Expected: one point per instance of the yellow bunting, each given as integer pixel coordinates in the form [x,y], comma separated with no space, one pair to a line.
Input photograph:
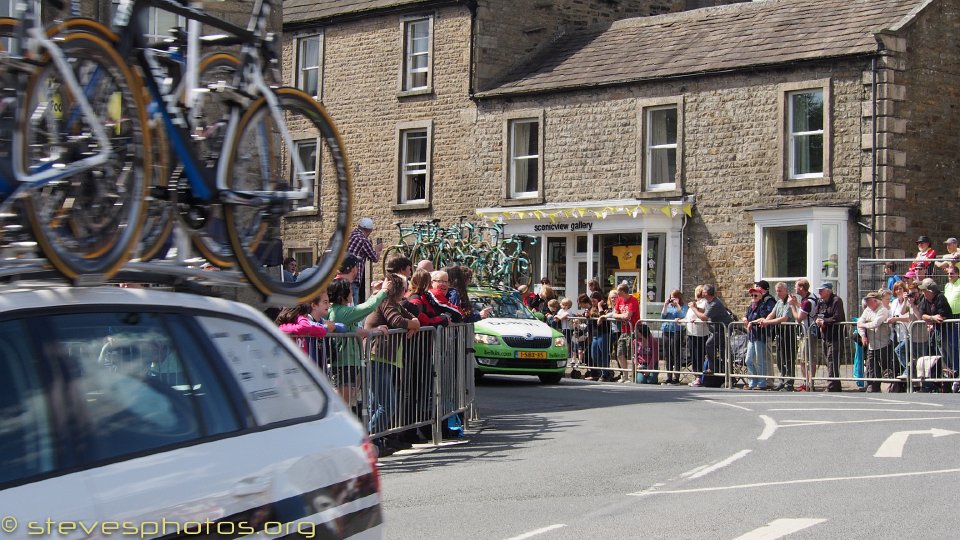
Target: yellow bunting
[553,218]
[599,216]
[688,210]
[665,210]
[506,215]
[582,211]
[521,215]
[644,210]
[566,213]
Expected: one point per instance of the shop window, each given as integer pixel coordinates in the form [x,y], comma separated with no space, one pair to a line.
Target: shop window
[802,243]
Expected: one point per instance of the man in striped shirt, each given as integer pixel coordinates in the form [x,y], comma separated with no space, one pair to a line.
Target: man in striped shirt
[360,246]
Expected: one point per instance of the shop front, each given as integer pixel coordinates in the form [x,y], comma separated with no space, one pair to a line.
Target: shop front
[611,241]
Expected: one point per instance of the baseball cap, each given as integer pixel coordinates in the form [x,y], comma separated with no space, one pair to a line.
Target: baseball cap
[756,290]
[928,284]
[365,223]
[348,263]
[924,238]
[910,274]
[762,284]
[873,295]
[826,285]
[951,240]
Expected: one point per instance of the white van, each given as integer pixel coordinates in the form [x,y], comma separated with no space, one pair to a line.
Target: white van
[132,412]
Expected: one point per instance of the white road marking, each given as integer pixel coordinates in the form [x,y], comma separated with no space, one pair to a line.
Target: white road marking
[898,402]
[727,404]
[863,410]
[801,481]
[802,423]
[538,531]
[789,402]
[769,427]
[694,471]
[720,465]
[893,446]
[779,528]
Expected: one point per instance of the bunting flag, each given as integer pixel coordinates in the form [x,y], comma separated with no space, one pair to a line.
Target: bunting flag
[635,212]
[506,215]
[644,210]
[665,210]
[521,215]
[582,211]
[598,215]
[688,210]
[538,214]
[553,217]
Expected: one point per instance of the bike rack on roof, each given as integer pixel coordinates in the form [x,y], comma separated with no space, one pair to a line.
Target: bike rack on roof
[177,277]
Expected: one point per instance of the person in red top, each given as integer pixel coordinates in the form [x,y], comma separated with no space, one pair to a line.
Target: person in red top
[420,303]
[627,310]
[925,253]
[441,284]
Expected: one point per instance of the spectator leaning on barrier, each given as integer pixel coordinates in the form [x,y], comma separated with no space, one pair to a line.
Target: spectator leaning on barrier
[951,337]
[627,311]
[952,256]
[360,246]
[717,314]
[934,309]
[674,310]
[697,331]
[803,307]
[829,313]
[785,335]
[757,311]
[875,335]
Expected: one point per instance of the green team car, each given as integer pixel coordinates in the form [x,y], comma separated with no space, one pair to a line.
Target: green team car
[512,341]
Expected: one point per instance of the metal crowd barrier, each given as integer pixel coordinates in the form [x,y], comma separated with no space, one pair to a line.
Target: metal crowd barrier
[925,358]
[395,382]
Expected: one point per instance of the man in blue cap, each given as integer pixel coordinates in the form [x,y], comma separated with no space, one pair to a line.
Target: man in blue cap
[829,313]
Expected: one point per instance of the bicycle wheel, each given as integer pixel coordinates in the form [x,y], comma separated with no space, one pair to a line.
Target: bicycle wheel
[257,163]
[520,273]
[87,223]
[210,126]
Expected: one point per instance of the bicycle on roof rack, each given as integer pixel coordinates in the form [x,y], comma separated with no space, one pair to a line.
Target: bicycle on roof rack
[74,154]
[237,175]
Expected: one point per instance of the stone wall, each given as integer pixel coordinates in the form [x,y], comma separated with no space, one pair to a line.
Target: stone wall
[362,63]
[731,155]
[928,88]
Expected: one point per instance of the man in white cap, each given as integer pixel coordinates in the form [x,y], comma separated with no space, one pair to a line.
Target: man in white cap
[952,256]
[361,247]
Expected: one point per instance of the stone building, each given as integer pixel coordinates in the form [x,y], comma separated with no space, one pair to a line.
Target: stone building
[776,139]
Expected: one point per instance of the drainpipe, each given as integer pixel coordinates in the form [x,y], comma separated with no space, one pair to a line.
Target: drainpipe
[873,162]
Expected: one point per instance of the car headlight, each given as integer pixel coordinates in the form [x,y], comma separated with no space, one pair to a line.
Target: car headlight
[486,361]
[561,363]
[559,341]
[485,339]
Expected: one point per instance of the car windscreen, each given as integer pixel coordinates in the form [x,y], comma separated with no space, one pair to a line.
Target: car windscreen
[506,306]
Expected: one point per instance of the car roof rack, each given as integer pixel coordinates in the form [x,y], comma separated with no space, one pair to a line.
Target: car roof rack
[178,277]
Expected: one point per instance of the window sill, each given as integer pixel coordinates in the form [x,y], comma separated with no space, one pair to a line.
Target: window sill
[524,201]
[660,194]
[804,182]
[419,205]
[306,212]
[417,92]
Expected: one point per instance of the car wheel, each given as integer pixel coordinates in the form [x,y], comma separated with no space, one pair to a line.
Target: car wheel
[553,378]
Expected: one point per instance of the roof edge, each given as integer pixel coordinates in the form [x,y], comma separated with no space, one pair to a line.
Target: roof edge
[911,17]
[495,93]
[376,11]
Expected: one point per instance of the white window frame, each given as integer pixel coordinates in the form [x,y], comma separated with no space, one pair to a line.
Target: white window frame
[787,136]
[794,135]
[297,144]
[305,64]
[404,129]
[152,32]
[408,73]
[648,170]
[513,159]
[816,220]
[411,169]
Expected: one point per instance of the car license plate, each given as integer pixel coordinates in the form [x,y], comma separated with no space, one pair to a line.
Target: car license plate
[531,354]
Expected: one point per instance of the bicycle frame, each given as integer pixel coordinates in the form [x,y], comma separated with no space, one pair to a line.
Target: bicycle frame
[32,33]
[209,183]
